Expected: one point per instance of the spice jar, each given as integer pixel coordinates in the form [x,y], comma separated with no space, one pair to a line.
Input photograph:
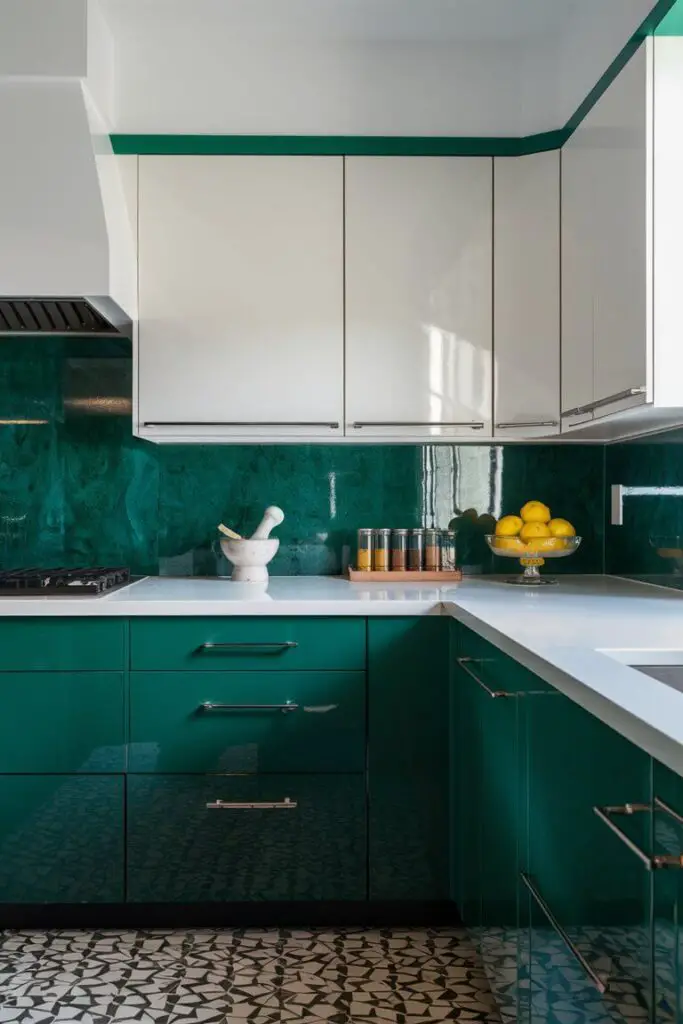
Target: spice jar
[448,551]
[364,560]
[432,550]
[416,550]
[382,546]
[399,550]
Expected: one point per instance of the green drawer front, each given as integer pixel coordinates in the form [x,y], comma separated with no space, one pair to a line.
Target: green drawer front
[61,645]
[254,643]
[181,851]
[62,722]
[61,839]
[172,731]
[493,668]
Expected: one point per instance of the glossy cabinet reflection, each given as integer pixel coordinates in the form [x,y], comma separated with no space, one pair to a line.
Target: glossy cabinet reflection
[61,839]
[418,296]
[190,841]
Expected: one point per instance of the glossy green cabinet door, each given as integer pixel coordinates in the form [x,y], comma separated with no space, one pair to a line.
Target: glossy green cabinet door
[586,889]
[62,722]
[197,839]
[408,695]
[247,722]
[668,896]
[61,839]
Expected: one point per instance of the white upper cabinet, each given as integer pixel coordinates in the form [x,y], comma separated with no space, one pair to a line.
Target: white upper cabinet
[418,297]
[526,307]
[607,251]
[241,297]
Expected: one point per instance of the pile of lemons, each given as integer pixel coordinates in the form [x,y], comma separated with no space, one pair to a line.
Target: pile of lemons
[533,530]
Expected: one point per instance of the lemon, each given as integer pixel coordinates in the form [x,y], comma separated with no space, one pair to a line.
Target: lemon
[510,544]
[508,526]
[561,528]
[530,531]
[548,544]
[535,512]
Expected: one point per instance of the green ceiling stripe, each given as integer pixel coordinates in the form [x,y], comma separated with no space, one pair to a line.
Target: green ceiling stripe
[672,23]
[391,145]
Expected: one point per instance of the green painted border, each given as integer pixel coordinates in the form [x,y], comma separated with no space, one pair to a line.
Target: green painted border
[389,145]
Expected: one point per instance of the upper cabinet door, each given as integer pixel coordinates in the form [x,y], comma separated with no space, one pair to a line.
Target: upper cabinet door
[607,339]
[526,248]
[241,297]
[418,296]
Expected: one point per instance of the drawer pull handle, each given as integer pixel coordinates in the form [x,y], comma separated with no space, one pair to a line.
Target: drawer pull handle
[557,927]
[464,664]
[600,402]
[266,805]
[474,424]
[657,861]
[241,648]
[209,705]
[531,423]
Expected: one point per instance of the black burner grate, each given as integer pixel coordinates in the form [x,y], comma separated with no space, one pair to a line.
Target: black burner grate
[74,582]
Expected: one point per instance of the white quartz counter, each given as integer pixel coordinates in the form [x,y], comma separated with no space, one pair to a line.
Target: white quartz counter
[560,633]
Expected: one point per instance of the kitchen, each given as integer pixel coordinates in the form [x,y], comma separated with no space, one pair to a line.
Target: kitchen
[283,270]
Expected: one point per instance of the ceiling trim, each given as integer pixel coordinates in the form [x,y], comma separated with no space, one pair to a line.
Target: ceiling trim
[391,145]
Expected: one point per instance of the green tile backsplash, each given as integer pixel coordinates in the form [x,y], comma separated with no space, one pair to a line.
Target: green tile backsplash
[79,489]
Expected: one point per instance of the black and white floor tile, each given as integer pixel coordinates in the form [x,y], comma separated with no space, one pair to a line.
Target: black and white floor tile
[318,976]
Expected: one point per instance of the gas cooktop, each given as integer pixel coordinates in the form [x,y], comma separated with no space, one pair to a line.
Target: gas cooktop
[62,582]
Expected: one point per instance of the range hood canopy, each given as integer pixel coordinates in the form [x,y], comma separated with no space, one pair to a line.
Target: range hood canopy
[59,316]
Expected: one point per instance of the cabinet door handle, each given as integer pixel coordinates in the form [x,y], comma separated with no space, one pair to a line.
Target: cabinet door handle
[241,423]
[284,708]
[531,423]
[600,402]
[475,425]
[265,805]
[557,927]
[650,863]
[258,648]
[464,664]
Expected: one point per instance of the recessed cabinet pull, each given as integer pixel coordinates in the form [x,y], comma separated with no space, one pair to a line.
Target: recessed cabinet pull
[359,425]
[287,645]
[265,805]
[464,664]
[651,863]
[600,402]
[557,927]
[531,423]
[284,708]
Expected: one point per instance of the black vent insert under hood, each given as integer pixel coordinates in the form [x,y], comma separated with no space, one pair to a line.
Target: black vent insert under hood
[85,317]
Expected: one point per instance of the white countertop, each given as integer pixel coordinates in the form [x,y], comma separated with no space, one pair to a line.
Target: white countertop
[557,632]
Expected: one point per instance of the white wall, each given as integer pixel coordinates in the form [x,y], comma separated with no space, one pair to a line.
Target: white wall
[43,37]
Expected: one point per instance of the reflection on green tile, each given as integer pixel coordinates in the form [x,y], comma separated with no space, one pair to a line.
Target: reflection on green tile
[81,490]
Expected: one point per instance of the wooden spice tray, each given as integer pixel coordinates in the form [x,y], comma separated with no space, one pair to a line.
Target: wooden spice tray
[406,575]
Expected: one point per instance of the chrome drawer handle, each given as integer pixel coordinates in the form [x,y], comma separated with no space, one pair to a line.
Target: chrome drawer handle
[557,927]
[266,805]
[209,705]
[474,424]
[286,645]
[600,402]
[464,664]
[650,863]
[242,423]
[531,423]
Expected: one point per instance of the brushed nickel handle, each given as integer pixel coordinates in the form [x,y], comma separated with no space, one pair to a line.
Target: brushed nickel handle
[475,425]
[284,708]
[264,805]
[600,402]
[241,423]
[531,423]
[286,645]
[464,664]
[557,927]
[650,863]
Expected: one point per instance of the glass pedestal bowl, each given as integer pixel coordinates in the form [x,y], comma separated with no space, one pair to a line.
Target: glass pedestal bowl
[532,555]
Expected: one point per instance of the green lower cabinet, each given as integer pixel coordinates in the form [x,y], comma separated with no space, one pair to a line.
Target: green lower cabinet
[195,839]
[239,722]
[585,935]
[668,896]
[408,758]
[61,839]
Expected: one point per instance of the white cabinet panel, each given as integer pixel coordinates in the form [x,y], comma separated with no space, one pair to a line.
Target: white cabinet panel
[526,305]
[418,296]
[241,296]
